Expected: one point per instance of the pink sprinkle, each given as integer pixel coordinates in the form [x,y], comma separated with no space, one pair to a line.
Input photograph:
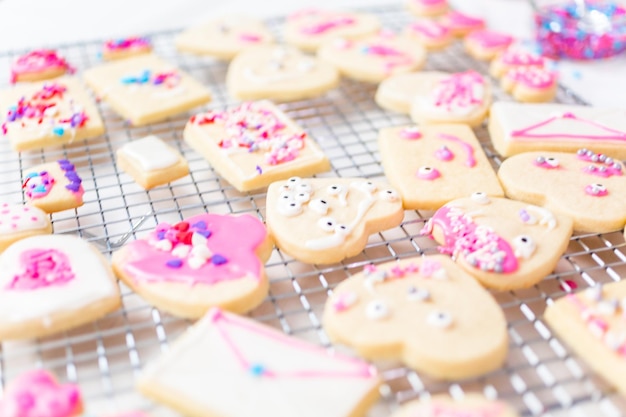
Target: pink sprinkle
[250,37]
[411,133]
[34,219]
[571,284]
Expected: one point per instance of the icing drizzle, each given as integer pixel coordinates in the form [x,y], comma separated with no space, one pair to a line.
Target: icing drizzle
[459,93]
[470,161]
[38,61]
[526,133]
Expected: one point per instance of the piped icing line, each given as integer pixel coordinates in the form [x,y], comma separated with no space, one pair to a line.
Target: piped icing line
[330,24]
[38,61]
[463,90]
[390,56]
[41,268]
[133,43]
[524,133]
[490,39]
[470,160]
[532,77]
[430,29]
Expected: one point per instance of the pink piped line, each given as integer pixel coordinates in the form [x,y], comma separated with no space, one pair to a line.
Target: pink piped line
[523,133]
[470,161]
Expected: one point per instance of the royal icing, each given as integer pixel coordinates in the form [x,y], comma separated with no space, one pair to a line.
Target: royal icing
[529,132]
[459,94]
[412,132]
[460,21]
[600,164]
[151,153]
[532,77]
[38,61]
[470,160]
[596,190]
[317,22]
[428,173]
[18,218]
[430,29]
[38,184]
[134,44]
[519,57]
[490,39]
[444,154]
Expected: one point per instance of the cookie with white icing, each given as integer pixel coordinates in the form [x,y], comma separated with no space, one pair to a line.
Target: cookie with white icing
[431,34]
[53,186]
[224,37]
[434,164]
[470,405]
[530,84]
[428,8]
[230,366]
[151,162]
[485,44]
[53,283]
[325,220]
[397,92]
[586,186]
[208,260]
[514,57]
[420,311]
[462,97]
[254,144]
[308,29]
[373,58]
[45,114]
[279,73]
[504,244]
[593,325]
[145,89]
[18,222]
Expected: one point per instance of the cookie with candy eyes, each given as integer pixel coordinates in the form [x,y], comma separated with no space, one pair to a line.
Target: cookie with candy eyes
[530,84]
[325,220]
[434,164]
[424,311]
[19,222]
[470,405]
[397,92]
[53,186]
[504,244]
[586,186]
[279,73]
[208,260]
[308,29]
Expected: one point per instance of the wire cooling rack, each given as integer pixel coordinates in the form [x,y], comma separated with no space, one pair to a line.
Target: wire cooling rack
[540,376]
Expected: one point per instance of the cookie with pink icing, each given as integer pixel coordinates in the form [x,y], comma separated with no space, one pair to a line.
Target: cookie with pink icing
[53,186]
[125,47]
[462,24]
[419,311]
[470,405]
[586,186]
[308,29]
[204,261]
[428,8]
[19,222]
[530,84]
[514,57]
[37,393]
[431,34]
[486,44]
[504,244]
[38,65]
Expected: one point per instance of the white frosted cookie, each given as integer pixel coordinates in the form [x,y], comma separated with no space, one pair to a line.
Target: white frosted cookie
[205,261]
[279,73]
[52,283]
[18,222]
[420,311]
[38,65]
[462,97]
[588,187]
[471,405]
[514,57]
[53,186]
[530,84]
[397,92]
[486,44]
[593,324]
[504,244]
[373,58]
[462,24]
[145,89]
[230,366]
[325,220]
[151,162]
[254,144]
[47,114]
[432,165]
[515,128]
[125,47]
[224,37]
[308,29]
[431,34]
[428,8]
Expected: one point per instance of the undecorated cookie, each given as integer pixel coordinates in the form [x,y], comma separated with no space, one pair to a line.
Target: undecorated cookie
[205,261]
[514,57]
[52,113]
[38,65]
[309,29]
[462,24]
[230,366]
[325,220]
[530,84]
[592,324]
[18,222]
[432,165]
[125,47]
[53,186]
[471,405]
[52,283]
[486,44]
[431,34]
[151,162]
[373,58]
[145,89]
[279,73]
[588,187]
[504,244]
[428,8]
[254,144]
[424,311]
[462,97]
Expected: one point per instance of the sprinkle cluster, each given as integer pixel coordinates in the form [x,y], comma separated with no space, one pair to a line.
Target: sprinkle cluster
[42,268]
[429,269]
[462,89]
[532,76]
[607,168]
[75,182]
[169,79]
[37,61]
[135,43]
[38,184]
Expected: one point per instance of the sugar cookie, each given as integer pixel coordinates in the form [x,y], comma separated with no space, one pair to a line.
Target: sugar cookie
[325,220]
[514,57]
[428,8]
[471,405]
[254,144]
[516,128]
[462,24]
[54,186]
[48,114]
[588,187]
[486,44]
[308,29]
[397,92]
[151,162]
[432,165]
[375,57]
[125,47]
[205,261]
[38,65]
[18,222]
[279,73]
[505,244]
[431,34]
[530,84]
[52,283]
[224,37]
[419,310]
[145,89]
[269,373]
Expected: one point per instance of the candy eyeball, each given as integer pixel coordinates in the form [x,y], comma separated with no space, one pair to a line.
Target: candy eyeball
[303,187]
[319,205]
[286,196]
[417,294]
[342,229]
[302,197]
[524,246]
[290,208]
[366,186]
[327,224]
[377,310]
[439,319]
[480,197]
[389,195]
[293,182]
[552,161]
[335,189]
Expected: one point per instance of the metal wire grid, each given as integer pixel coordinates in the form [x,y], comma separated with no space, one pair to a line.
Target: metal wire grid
[540,376]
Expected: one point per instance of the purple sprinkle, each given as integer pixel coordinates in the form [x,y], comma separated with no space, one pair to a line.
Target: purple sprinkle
[63,162]
[73,187]
[174,263]
[259,170]
[218,259]
[200,225]
[161,235]
[523,214]
[73,177]
[205,233]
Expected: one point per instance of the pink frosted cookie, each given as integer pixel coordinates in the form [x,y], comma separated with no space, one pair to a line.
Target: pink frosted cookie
[471,405]
[462,24]
[205,261]
[19,222]
[53,186]
[428,8]
[125,47]
[486,44]
[38,394]
[530,84]
[514,57]
[431,34]
[308,29]
[224,358]
[41,64]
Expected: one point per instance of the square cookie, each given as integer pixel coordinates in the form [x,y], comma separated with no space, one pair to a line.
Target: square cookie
[49,113]
[254,144]
[53,186]
[145,89]
[151,162]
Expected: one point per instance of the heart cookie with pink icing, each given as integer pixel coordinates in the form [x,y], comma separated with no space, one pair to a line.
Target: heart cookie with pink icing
[40,64]
[19,222]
